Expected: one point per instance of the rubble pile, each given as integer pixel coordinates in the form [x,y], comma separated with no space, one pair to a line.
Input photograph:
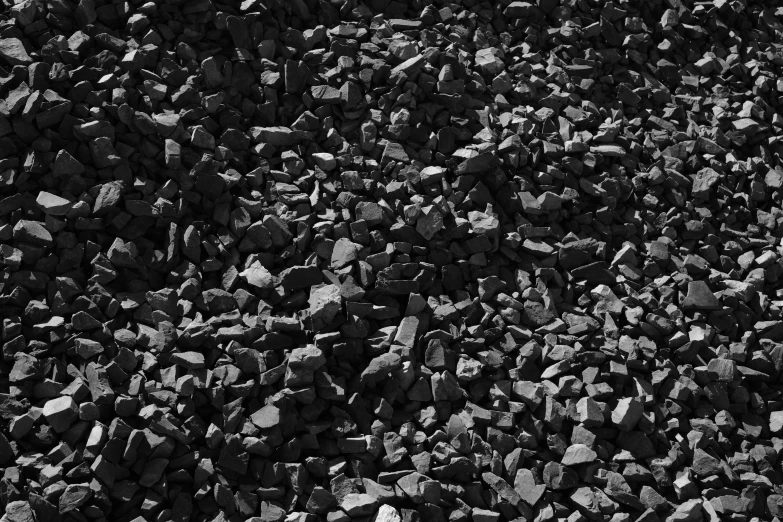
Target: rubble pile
[391,261]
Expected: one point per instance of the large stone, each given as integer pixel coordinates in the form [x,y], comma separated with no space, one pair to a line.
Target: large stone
[394,152]
[704,464]
[578,454]
[502,488]
[704,182]
[52,204]
[188,360]
[345,252]
[688,511]
[18,511]
[325,161]
[60,413]
[277,136]
[381,366]
[627,413]
[776,421]
[536,314]
[33,232]
[557,476]
[266,417]
[430,222]
[320,501]
[325,303]
[387,513]
[257,275]
[530,490]
[13,52]
[700,297]
[108,196]
[489,61]
[308,358]
[74,496]
[359,504]
[300,277]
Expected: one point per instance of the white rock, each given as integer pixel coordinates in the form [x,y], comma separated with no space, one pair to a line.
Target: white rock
[387,513]
[776,421]
[258,276]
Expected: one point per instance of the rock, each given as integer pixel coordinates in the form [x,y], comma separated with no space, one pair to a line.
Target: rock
[13,52]
[700,297]
[33,232]
[344,252]
[578,454]
[300,277]
[325,161]
[409,66]
[489,61]
[723,370]
[527,487]
[535,314]
[188,360]
[394,152]
[258,276]
[577,253]
[153,472]
[653,500]
[728,505]
[358,504]
[776,421]
[586,502]
[558,477]
[52,204]
[60,413]
[748,126]
[518,9]
[381,366]
[775,505]
[502,488]
[321,501]
[589,413]
[25,367]
[19,511]
[325,303]
[430,222]
[595,273]
[627,413]
[688,511]
[704,464]
[73,497]
[108,196]
[277,136]
[705,180]
[309,358]
[270,513]
[387,513]
[476,164]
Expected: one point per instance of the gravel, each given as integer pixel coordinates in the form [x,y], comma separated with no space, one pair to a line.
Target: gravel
[387,261]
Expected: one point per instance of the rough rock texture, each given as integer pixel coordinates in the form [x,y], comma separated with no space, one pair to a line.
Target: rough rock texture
[391,261]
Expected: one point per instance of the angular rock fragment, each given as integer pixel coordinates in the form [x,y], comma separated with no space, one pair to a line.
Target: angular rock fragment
[13,52]
[60,413]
